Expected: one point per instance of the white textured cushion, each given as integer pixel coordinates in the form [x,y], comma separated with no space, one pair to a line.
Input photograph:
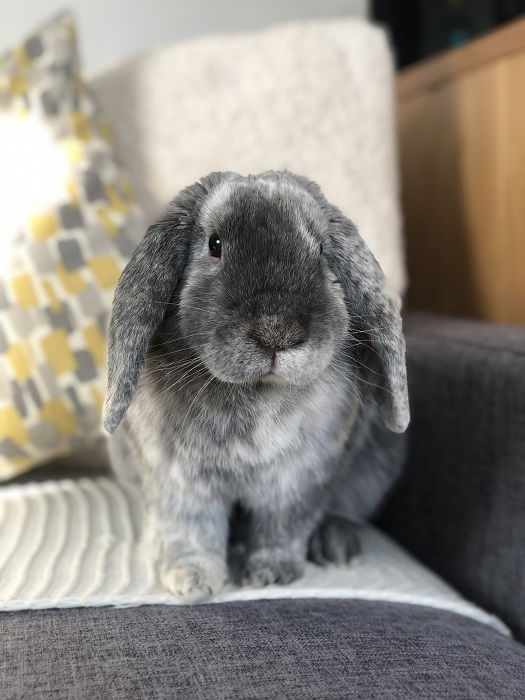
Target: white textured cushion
[82,543]
[315,98]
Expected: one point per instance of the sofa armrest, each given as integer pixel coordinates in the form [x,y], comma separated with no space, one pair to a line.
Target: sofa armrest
[460,506]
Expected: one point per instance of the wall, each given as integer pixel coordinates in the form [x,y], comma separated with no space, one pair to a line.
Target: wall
[118,28]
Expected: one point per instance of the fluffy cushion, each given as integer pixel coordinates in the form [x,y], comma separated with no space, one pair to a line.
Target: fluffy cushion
[314,98]
[67,226]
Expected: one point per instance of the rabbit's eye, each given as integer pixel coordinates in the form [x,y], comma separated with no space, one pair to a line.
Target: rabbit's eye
[215,246]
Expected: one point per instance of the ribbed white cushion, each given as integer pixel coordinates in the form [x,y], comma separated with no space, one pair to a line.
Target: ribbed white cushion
[80,542]
[315,98]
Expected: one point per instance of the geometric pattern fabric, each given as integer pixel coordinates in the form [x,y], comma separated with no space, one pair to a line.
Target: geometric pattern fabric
[68,226]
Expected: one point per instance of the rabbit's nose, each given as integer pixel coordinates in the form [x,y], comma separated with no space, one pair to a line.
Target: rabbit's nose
[276,333]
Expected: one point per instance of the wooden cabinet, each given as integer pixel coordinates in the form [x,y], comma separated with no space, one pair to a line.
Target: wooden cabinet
[461,120]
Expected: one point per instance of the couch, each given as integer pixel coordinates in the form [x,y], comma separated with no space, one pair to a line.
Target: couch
[460,508]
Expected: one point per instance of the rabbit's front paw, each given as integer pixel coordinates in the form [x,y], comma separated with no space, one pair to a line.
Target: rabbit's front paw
[195,578]
[267,566]
[334,541]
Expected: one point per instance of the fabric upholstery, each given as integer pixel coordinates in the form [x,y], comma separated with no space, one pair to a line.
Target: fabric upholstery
[267,649]
[460,507]
[67,226]
[315,98]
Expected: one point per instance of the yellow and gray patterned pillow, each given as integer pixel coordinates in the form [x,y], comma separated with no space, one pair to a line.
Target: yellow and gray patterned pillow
[68,224]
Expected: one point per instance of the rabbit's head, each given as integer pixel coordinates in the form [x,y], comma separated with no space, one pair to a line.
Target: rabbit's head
[266,282]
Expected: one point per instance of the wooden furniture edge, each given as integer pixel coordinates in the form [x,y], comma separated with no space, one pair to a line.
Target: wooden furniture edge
[433,71]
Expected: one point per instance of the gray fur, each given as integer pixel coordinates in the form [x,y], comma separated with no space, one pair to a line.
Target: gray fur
[195,410]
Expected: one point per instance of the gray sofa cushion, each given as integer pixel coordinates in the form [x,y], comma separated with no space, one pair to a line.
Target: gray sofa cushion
[464,487]
[266,649]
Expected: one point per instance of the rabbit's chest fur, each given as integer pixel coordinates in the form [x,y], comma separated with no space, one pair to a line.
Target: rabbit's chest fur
[247,444]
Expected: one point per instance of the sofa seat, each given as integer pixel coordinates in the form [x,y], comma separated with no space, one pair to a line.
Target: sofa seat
[258,649]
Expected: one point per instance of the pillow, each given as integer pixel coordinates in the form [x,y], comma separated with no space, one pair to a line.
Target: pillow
[68,224]
[314,97]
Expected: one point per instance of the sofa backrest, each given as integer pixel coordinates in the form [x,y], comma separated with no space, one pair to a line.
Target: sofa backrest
[315,98]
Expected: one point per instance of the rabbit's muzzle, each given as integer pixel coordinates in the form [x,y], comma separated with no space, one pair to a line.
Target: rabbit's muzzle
[276,333]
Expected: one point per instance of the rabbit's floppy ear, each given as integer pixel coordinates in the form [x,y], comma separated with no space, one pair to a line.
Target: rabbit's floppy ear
[143,290]
[376,336]
[139,304]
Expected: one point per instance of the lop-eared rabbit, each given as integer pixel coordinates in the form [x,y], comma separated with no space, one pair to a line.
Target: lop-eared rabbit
[256,368]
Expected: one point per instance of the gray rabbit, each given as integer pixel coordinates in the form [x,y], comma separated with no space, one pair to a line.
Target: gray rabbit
[256,367]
